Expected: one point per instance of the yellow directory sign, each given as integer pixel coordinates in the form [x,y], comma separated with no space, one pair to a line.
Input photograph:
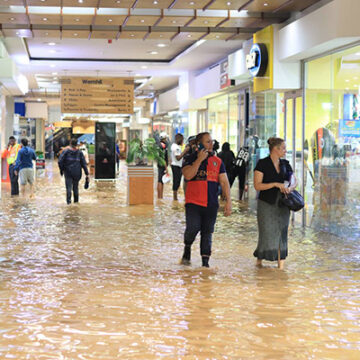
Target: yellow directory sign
[84,95]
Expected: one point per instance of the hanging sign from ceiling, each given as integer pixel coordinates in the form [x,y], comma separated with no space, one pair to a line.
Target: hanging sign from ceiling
[82,95]
[257,60]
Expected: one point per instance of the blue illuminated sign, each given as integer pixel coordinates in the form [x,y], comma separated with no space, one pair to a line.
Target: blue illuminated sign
[257,60]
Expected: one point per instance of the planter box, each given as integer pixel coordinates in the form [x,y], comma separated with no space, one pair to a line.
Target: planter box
[140,185]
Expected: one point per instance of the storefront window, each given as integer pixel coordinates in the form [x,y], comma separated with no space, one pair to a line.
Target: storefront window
[332,142]
[218,118]
[234,124]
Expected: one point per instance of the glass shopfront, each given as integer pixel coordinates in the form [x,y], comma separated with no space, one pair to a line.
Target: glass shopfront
[227,118]
[321,126]
[332,142]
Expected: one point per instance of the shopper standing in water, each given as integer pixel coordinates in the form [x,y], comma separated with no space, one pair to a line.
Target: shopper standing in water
[176,162]
[24,167]
[273,176]
[203,171]
[71,163]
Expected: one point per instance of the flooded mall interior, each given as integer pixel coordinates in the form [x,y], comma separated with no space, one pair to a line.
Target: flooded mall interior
[180,179]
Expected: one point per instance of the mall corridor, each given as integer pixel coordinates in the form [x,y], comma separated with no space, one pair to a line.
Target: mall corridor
[102,280]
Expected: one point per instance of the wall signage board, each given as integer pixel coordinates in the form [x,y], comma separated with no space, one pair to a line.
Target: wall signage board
[97,95]
[257,60]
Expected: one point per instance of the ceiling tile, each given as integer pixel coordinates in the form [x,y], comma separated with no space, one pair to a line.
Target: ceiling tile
[153,4]
[17,33]
[189,36]
[84,3]
[132,34]
[48,34]
[240,22]
[109,20]
[43,2]
[207,21]
[51,19]
[75,34]
[77,19]
[217,36]
[147,20]
[10,18]
[109,35]
[190,4]
[124,4]
[155,35]
[174,20]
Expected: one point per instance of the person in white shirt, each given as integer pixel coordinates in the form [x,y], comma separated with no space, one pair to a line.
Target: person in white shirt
[176,162]
[84,150]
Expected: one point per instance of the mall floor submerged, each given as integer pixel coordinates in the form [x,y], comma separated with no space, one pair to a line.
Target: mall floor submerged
[102,280]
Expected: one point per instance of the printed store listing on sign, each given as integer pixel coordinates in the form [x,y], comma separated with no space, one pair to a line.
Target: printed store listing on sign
[97,95]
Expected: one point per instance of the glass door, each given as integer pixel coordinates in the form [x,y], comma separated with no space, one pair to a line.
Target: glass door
[294,139]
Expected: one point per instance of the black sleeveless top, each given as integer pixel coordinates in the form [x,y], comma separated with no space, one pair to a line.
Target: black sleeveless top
[267,167]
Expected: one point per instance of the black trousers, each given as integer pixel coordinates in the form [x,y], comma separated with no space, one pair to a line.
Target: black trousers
[199,218]
[72,185]
[14,179]
[177,174]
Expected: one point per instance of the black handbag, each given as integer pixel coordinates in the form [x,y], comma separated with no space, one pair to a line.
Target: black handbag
[294,201]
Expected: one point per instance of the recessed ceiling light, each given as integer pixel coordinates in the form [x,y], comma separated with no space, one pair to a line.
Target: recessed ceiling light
[54,82]
[109,20]
[266,4]
[43,0]
[45,19]
[144,67]
[174,21]
[155,2]
[206,22]
[347,80]
[161,36]
[189,36]
[217,36]
[46,34]
[142,20]
[80,1]
[12,19]
[191,3]
[77,19]
[161,45]
[137,74]
[52,51]
[52,65]
[132,35]
[54,73]
[38,99]
[358,54]
[228,3]
[153,52]
[76,34]
[51,44]
[17,33]
[118,1]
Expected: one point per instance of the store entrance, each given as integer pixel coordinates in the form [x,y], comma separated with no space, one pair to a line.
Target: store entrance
[293,131]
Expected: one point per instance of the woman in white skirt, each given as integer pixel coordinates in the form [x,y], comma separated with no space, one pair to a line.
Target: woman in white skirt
[273,176]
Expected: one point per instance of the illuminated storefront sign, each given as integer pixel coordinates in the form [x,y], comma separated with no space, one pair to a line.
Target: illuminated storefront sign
[257,60]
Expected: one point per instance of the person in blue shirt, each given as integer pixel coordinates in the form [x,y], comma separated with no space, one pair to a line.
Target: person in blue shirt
[25,168]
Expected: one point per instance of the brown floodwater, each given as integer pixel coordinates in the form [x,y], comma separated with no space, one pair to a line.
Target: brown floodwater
[102,280]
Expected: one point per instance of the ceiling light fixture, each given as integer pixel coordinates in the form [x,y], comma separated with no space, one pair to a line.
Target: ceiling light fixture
[77,19]
[174,21]
[142,20]
[17,33]
[228,3]
[12,19]
[347,80]
[46,34]
[189,36]
[75,34]
[132,35]
[206,22]
[45,19]
[161,45]
[51,44]
[153,52]
[144,67]
[54,73]
[38,99]
[109,20]
[52,51]
[54,82]
[118,1]
[266,4]
[217,36]
[155,2]
[161,36]
[80,1]
[52,65]
[191,3]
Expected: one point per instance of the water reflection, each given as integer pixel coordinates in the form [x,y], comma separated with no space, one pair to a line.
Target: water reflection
[101,280]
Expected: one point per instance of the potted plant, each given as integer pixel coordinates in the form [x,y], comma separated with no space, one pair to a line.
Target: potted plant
[140,173]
